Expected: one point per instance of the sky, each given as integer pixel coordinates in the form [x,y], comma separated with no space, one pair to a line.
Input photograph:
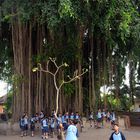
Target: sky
[126,81]
[3,88]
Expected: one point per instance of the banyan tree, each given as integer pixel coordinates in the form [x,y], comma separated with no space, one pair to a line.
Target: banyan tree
[89,34]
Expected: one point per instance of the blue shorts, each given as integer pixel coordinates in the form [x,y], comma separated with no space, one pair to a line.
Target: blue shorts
[45,129]
[65,125]
[99,120]
[26,127]
[22,128]
[32,127]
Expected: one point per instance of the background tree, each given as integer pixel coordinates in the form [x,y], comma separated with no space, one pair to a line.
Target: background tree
[73,31]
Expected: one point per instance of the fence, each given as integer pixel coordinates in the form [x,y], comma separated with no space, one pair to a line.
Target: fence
[132,118]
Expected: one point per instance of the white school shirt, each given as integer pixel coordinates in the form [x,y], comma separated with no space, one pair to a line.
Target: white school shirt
[91,116]
[25,121]
[99,115]
[71,133]
[44,123]
[63,119]
[59,120]
[113,117]
[77,117]
[104,114]
[72,117]
[41,115]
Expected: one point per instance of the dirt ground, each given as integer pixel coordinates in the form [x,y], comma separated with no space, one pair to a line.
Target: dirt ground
[88,134]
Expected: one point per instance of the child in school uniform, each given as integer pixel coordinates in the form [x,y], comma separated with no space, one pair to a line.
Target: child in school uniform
[52,126]
[32,125]
[91,119]
[65,120]
[72,131]
[99,118]
[22,125]
[117,135]
[45,128]
[59,122]
[26,123]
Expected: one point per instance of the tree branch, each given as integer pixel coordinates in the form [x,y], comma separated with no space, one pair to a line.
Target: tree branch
[58,68]
[53,60]
[75,77]
[72,79]
[46,71]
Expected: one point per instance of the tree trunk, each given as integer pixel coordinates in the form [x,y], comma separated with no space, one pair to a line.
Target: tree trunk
[80,89]
[92,96]
[131,81]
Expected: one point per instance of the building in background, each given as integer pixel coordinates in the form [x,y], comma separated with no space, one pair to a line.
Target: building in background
[137,105]
[2,101]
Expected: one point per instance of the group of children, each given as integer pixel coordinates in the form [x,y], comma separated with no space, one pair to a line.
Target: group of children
[48,125]
[98,119]
[102,117]
[67,122]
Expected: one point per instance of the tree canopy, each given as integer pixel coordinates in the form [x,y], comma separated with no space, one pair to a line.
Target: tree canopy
[102,35]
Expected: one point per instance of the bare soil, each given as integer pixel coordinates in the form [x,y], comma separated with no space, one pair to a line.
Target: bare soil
[88,133]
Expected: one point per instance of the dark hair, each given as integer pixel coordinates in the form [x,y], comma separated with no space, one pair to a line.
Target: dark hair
[23,116]
[116,123]
[73,121]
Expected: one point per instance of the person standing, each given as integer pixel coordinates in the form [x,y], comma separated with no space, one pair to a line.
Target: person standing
[37,120]
[65,121]
[41,115]
[103,117]
[32,125]
[59,122]
[22,125]
[113,118]
[91,119]
[99,118]
[117,135]
[72,131]
[72,116]
[26,123]
[52,126]
[45,128]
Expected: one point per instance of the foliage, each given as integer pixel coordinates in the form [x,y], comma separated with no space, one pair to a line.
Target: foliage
[69,89]
[6,56]
[8,104]
[122,103]
[119,104]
